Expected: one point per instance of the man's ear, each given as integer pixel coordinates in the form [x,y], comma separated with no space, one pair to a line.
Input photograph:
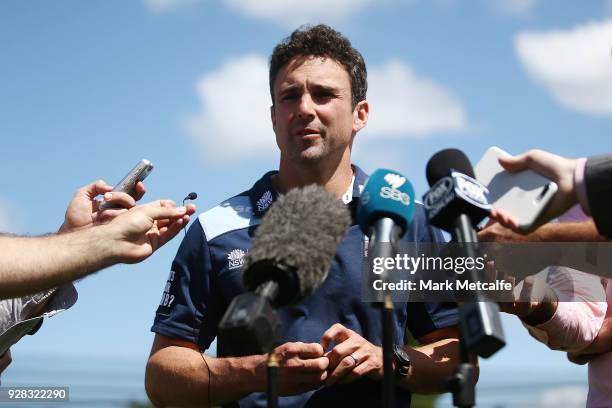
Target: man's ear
[360,115]
[272,116]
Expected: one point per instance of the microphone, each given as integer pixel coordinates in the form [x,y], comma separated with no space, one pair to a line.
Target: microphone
[290,257]
[457,203]
[190,196]
[385,210]
[454,190]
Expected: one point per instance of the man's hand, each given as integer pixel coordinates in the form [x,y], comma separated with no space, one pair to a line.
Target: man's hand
[5,360]
[302,367]
[83,210]
[601,344]
[556,168]
[352,357]
[140,231]
[497,232]
[535,304]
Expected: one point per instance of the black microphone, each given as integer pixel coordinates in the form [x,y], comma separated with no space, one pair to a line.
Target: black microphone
[456,199]
[290,257]
[190,196]
[457,203]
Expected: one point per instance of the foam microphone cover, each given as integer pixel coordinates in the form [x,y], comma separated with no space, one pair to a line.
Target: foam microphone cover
[442,163]
[296,242]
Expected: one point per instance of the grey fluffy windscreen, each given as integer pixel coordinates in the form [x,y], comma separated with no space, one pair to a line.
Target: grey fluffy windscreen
[301,230]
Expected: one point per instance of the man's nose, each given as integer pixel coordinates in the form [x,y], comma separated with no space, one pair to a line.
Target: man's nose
[306,107]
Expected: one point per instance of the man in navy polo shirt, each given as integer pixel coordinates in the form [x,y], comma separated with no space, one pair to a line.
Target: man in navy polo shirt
[330,351]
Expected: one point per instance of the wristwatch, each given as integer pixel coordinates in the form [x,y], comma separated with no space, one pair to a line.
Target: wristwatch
[401,359]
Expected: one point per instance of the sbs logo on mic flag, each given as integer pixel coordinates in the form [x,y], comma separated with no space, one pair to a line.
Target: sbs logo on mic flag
[395,180]
[387,193]
[392,191]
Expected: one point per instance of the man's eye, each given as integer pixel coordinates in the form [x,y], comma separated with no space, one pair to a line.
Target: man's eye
[324,95]
[289,97]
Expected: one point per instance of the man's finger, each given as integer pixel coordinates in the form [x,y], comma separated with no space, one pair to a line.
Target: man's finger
[336,333]
[168,232]
[302,350]
[119,199]
[109,215]
[580,359]
[527,290]
[139,190]
[361,370]
[97,188]
[533,159]
[342,350]
[318,364]
[346,365]
[504,219]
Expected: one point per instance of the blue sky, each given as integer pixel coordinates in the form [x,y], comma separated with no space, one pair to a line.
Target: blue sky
[89,88]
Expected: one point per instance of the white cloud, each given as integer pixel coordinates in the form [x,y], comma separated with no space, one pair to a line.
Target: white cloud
[292,13]
[568,397]
[574,65]
[516,7]
[403,104]
[234,117]
[162,6]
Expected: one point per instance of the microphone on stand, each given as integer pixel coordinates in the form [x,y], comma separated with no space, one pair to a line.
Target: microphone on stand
[290,257]
[457,203]
[385,210]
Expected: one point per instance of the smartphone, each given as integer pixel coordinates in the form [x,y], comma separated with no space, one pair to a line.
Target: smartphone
[523,195]
[127,184]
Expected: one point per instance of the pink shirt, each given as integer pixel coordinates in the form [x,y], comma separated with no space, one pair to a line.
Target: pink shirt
[578,318]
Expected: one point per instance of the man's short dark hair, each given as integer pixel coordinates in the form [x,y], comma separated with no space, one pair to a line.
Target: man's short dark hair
[321,41]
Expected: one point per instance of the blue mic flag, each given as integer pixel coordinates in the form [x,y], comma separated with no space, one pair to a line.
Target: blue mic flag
[387,194]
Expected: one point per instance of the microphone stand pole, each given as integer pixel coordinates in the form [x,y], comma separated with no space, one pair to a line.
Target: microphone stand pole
[387,349]
[272,379]
[463,383]
[383,248]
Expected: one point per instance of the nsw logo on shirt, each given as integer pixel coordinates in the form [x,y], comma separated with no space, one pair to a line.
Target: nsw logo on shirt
[264,202]
[235,259]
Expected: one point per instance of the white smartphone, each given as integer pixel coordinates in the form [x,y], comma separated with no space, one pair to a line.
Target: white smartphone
[523,195]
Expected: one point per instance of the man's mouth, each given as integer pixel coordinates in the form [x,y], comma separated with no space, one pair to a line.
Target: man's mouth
[306,132]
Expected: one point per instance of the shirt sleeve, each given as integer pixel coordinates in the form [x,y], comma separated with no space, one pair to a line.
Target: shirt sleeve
[580,185]
[423,318]
[580,311]
[186,296]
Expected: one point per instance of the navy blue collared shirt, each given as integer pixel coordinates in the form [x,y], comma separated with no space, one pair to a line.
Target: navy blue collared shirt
[205,277]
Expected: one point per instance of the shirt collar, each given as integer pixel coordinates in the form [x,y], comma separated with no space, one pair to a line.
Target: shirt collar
[263,193]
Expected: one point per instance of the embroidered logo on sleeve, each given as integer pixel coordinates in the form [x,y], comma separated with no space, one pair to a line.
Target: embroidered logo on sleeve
[264,202]
[235,259]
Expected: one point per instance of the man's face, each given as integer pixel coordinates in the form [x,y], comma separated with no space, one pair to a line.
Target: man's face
[313,117]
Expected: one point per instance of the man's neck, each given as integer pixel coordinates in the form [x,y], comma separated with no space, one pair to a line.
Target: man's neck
[334,180]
